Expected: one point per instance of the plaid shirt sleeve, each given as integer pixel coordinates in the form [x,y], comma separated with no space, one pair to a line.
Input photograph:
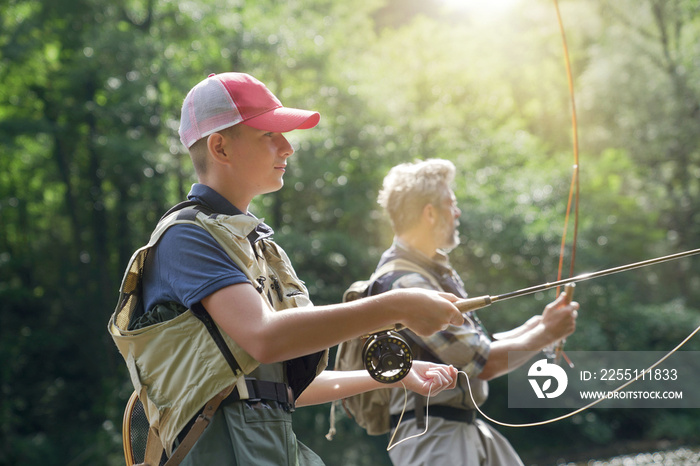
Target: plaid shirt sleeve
[466,347]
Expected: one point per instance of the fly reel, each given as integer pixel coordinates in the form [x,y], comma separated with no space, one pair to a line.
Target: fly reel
[387,357]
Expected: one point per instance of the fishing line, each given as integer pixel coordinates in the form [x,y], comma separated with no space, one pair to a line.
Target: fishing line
[405,401]
[590,405]
[529,424]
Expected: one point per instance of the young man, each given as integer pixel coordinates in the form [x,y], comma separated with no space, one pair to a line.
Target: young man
[424,216]
[198,314]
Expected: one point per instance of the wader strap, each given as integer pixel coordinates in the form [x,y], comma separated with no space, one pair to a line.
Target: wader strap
[420,352]
[154,448]
[198,427]
[419,410]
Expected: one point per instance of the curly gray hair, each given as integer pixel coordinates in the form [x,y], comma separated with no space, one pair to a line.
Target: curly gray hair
[409,187]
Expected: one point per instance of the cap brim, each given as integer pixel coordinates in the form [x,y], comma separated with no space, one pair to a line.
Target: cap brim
[283,119]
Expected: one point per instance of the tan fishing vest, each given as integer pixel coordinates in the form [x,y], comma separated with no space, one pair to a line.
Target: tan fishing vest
[175,366]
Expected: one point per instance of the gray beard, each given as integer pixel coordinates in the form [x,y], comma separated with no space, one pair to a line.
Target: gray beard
[452,242]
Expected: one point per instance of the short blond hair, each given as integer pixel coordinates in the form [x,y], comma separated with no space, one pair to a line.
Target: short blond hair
[199,153]
[409,187]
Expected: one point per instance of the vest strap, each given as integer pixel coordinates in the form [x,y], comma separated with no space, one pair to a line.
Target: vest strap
[201,313]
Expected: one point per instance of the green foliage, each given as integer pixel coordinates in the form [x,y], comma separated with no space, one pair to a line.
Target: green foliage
[89,107]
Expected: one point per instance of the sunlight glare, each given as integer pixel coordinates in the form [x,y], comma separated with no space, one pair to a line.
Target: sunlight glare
[493,7]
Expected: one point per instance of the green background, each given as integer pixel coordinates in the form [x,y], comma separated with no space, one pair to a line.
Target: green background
[89,159]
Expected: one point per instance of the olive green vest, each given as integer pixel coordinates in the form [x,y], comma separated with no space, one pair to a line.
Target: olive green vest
[175,365]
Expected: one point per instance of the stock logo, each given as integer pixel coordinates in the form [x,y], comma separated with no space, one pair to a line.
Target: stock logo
[546,372]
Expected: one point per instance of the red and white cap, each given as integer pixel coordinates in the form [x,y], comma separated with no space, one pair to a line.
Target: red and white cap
[224,100]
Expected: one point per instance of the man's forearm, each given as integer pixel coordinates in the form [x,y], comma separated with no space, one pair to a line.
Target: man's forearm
[508,354]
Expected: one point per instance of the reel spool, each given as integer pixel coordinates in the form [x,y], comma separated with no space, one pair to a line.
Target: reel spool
[387,357]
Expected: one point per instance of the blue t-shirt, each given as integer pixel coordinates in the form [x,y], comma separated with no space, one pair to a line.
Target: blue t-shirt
[187,264]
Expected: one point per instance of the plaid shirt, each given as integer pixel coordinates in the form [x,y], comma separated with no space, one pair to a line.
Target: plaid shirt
[466,347]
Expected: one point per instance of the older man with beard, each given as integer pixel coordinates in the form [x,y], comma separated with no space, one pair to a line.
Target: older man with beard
[424,215]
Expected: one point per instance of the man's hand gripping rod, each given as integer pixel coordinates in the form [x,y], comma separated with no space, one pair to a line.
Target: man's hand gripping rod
[557,350]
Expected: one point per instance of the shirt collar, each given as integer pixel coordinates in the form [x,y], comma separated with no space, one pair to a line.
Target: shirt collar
[439,259]
[208,197]
[216,202]
[439,265]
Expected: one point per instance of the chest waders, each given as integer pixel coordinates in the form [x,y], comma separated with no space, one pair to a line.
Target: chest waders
[179,365]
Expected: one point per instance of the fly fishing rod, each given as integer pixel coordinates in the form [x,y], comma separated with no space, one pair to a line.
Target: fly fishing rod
[471,304]
[388,358]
